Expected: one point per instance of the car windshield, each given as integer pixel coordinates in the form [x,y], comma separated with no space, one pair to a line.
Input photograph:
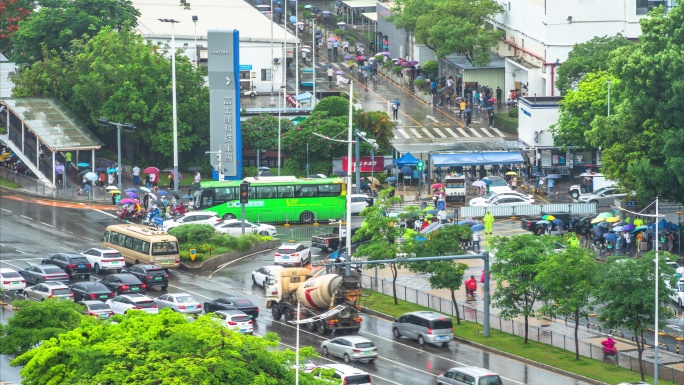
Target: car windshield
[129,279]
[64,291]
[52,269]
[145,303]
[98,306]
[79,260]
[286,251]
[357,379]
[497,182]
[11,274]
[243,302]
[185,299]
[441,324]
[112,255]
[240,318]
[490,380]
[365,345]
[601,190]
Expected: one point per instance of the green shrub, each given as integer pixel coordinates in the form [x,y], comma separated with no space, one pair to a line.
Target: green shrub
[379,58]
[306,14]
[430,67]
[249,171]
[193,233]
[224,240]
[397,69]
[419,83]
[506,123]
[513,113]
[352,40]
[339,32]
[333,105]
[185,256]
[387,65]
[244,243]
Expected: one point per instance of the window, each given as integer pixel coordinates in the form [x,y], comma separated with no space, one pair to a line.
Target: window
[306,191]
[330,190]
[105,237]
[265,74]
[266,192]
[128,243]
[285,191]
[224,194]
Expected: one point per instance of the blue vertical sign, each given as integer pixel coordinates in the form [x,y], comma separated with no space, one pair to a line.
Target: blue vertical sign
[225,137]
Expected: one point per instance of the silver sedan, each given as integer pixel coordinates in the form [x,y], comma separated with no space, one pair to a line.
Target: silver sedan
[179,302]
[350,348]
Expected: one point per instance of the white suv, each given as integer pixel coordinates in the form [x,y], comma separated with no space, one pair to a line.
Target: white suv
[105,259]
[123,303]
[294,254]
[10,280]
[349,374]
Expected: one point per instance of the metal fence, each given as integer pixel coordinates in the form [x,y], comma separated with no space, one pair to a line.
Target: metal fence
[527,210]
[627,360]
[301,233]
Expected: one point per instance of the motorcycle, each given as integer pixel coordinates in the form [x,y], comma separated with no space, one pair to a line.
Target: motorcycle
[128,216]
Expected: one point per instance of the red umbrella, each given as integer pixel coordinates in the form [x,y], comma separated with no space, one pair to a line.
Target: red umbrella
[492,100]
[151,170]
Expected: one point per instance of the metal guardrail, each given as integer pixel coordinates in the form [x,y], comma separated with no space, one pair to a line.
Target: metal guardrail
[527,210]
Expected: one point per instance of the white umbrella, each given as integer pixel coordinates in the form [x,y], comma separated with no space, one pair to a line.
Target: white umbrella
[152,196]
[145,189]
[306,50]
[108,188]
[341,23]
[91,176]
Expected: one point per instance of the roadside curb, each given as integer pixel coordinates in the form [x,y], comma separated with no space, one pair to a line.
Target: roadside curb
[501,353]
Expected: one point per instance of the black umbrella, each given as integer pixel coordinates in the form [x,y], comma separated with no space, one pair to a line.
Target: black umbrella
[389,167]
[195,168]
[266,173]
[340,173]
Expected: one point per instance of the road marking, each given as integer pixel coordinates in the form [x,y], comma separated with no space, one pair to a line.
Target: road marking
[487,132]
[463,132]
[475,132]
[498,132]
[432,118]
[26,217]
[191,292]
[6,210]
[439,132]
[28,259]
[450,131]
[47,224]
[428,133]
[403,133]
[416,134]
[106,213]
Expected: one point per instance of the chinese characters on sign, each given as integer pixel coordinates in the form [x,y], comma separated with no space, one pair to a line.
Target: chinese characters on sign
[366,164]
[229,142]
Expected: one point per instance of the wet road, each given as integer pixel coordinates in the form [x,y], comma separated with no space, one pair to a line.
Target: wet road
[30,231]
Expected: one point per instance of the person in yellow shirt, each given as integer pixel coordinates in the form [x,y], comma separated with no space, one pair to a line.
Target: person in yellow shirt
[488,220]
[462,106]
[638,222]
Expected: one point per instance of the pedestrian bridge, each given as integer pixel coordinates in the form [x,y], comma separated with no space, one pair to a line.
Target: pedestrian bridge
[35,124]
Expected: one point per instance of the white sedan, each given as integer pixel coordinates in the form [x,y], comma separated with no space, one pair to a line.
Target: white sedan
[123,303]
[358,203]
[479,200]
[195,217]
[234,228]
[260,275]
[179,302]
[503,200]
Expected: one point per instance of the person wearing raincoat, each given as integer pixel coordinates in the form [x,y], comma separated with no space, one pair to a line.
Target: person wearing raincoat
[574,241]
[488,220]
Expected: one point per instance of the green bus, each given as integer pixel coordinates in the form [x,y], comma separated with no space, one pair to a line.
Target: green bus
[276,199]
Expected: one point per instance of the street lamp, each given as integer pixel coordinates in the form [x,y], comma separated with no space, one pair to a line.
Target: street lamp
[175,112]
[125,126]
[194,20]
[608,82]
[272,102]
[280,108]
[361,136]
[679,230]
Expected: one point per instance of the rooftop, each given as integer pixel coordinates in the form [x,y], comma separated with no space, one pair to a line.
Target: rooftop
[211,14]
[495,62]
[541,101]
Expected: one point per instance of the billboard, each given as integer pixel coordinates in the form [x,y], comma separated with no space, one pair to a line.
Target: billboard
[366,164]
[225,138]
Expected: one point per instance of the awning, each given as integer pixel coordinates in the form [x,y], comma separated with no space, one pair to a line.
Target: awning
[406,160]
[476,159]
[372,16]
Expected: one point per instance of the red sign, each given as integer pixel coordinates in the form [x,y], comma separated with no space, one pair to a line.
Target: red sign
[366,164]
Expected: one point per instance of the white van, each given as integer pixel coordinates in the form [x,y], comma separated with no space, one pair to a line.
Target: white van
[424,326]
[469,375]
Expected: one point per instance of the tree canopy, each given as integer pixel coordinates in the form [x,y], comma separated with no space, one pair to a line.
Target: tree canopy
[162,348]
[451,26]
[58,22]
[11,13]
[591,56]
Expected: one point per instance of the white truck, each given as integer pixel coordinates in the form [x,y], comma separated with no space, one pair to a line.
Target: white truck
[589,182]
[455,188]
[328,301]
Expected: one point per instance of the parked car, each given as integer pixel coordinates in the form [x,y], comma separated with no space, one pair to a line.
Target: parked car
[293,254]
[96,309]
[497,183]
[180,302]
[503,200]
[150,275]
[424,326]
[493,194]
[10,280]
[91,290]
[123,303]
[105,259]
[123,283]
[45,290]
[350,348]
[231,302]
[349,374]
[234,228]
[602,197]
[236,320]
[72,264]
[359,202]
[469,375]
[43,273]
[195,217]
[260,275]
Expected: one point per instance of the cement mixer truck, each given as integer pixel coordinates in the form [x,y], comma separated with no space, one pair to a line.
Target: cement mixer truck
[328,302]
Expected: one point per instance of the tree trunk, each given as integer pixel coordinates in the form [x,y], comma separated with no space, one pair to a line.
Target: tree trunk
[393,268]
[453,299]
[526,328]
[640,350]
[577,356]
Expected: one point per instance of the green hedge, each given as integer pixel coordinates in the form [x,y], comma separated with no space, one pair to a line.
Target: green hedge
[506,123]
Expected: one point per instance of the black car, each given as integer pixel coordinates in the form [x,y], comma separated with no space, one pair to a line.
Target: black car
[91,290]
[72,264]
[151,275]
[232,303]
[124,283]
[44,273]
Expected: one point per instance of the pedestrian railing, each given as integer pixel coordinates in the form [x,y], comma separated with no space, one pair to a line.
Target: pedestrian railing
[627,358]
[526,210]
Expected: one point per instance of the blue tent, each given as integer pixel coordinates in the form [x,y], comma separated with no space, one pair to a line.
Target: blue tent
[406,160]
[476,158]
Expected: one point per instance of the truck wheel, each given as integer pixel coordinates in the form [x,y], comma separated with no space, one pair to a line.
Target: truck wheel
[574,195]
[275,313]
[287,313]
[306,217]
[322,330]
[311,326]
[356,330]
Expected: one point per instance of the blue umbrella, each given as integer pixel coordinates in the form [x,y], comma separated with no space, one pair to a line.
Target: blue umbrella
[366,68]
[467,110]
[91,176]
[83,164]
[110,170]
[101,169]
[278,10]
[395,101]
[477,227]
[468,222]
[406,170]
[557,222]
[293,19]
[487,181]
[433,212]
[537,174]
[131,189]
[612,237]
[391,179]
[340,173]
[554,176]
[489,108]
[162,193]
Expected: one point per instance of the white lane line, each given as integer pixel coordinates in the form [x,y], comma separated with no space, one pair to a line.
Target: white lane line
[450,131]
[26,217]
[463,132]
[403,133]
[105,213]
[191,292]
[428,133]
[9,264]
[28,259]
[416,134]
[47,224]
[6,210]
[498,132]
[475,132]
[439,132]
[489,134]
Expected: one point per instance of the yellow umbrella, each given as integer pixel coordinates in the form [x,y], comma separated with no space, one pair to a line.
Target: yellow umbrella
[597,220]
[511,173]
[114,192]
[612,219]
[548,217]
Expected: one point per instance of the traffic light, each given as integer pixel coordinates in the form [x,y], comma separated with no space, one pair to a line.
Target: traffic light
[244,192]
[420,165]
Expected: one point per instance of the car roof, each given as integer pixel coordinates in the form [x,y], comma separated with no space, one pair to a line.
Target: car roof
[427,314]
[90,302]
[58,285]
[346,369]
[193,213]
[7,270]
[475,370]
[492,177]
[104,249]
[354,339]
[72,255]
[271,267]
[135,296]
[231,312]
[290,245]
[91,283]
[149,266]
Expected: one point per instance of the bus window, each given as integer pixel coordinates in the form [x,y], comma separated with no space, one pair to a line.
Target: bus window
[329,190]
[285,192]
[266,192]
[105,237]
[306,191]
[164,248]
[114,239]
[223,194]
[145,248]
[137,245]
[129,243]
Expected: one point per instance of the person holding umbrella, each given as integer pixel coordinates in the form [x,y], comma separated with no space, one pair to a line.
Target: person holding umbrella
[395,110]
[490,115]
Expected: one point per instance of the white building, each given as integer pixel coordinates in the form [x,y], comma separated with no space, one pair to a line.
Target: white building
[7,71]
[539,34]
[257,35]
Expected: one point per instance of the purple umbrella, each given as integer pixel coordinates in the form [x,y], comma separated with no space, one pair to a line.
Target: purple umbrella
[405,64]
[414,62]
[385,53]
[340,72]
[132,195]
[349,57]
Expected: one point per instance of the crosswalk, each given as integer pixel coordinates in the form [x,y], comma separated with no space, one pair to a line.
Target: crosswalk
[445,133]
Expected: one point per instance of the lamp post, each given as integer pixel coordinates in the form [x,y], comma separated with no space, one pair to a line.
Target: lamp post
[679,231]
[130,127]
[194,20]
[296,50]
[173,100]
[280,108]
[608,82]
[272,102]
[349,167]
[360,136]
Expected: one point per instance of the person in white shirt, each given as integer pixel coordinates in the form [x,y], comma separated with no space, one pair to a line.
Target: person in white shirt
[136,175]
[476,240]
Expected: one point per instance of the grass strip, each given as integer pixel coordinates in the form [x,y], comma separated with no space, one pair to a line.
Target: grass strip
[534,351]
[8,184]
